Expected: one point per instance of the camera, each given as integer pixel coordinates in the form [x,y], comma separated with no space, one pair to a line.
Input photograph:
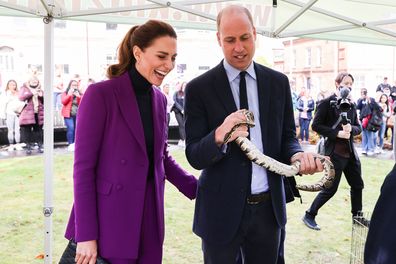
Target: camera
[343,104]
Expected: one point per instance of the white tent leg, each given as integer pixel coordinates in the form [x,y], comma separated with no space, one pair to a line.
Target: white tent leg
[48,135]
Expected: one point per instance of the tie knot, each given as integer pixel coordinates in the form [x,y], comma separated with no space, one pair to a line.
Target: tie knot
[242,74]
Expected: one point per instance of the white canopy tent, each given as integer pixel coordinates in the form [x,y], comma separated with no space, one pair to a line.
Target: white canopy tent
[364,21]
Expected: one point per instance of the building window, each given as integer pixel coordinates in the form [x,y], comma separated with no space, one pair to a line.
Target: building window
[360,81]
[35,69]
[63,68]
[111,59]
[308,57]
[318,56]
[110,26]
[60,24]
[203,68]
[6,58]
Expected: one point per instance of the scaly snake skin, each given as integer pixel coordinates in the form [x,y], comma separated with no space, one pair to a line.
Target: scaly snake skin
[273,165]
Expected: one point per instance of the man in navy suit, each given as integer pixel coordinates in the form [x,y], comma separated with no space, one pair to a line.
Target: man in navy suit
[240,207]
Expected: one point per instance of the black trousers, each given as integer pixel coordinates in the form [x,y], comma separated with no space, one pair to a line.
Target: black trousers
[353,174]
[257,241]
[180,121]
[32,133]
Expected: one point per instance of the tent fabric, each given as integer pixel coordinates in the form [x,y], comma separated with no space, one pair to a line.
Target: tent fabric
[364,21]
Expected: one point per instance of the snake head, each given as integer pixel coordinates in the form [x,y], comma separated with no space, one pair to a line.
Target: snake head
[249,118]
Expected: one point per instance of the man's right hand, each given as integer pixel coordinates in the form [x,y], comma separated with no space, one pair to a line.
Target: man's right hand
[343,134]
[86,252]
[228,123]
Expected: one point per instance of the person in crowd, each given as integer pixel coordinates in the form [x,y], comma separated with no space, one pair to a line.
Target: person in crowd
[240,209]
[178,109]
[366,106]
[381,238]
[58,90]
[393,92]
[31,119]
[339,125]
[305,106]
[386,113]
[71,100]
[383,85]
[169,102]
[121,157]
[9,96]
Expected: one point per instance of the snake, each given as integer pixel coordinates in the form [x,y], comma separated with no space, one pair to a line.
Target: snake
[262,160]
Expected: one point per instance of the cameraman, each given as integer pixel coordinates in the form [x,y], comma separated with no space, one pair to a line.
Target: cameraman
[339,112]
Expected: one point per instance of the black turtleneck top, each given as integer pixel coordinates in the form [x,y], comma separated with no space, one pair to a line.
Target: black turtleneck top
[143,90]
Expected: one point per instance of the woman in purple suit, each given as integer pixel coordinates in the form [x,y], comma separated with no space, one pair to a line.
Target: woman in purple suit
[121,158]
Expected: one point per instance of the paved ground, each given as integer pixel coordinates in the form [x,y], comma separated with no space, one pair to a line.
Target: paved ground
[62,148]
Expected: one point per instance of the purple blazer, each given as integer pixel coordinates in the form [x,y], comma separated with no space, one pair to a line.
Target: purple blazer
[111,166]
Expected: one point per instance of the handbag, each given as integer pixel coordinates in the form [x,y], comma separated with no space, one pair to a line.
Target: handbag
[17,106]
[69,255]
[390,122]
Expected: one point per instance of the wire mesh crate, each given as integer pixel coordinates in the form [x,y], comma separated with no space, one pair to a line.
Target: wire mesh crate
[360,227]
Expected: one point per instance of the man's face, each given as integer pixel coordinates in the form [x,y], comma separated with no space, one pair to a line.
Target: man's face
[236,37]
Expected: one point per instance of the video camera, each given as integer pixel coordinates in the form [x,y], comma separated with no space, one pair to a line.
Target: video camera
[343,104]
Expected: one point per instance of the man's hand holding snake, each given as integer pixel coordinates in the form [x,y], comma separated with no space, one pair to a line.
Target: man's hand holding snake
[308,163]
[228,124]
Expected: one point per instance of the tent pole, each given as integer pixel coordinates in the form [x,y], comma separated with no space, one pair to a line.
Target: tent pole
[48,135]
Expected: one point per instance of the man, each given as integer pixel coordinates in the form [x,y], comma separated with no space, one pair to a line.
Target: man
[383,85]
[336,119]
[240,206]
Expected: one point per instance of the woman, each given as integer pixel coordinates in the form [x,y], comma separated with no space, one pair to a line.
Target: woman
[31,119]
[339,124]
[305,106]
[178,108]
[386,113]
[70,100]
[8,99]
[121,157]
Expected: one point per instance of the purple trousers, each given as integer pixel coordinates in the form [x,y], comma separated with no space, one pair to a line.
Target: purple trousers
[150,251]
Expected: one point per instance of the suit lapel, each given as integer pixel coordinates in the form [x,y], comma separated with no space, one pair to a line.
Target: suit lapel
[127,102]
[158,121]
[223,89]
[264,95]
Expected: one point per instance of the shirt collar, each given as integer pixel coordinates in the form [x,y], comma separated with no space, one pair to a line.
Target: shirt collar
[233,73]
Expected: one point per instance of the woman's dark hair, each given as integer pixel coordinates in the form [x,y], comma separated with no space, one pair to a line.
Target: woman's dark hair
[341,77]
[69,85]
[142,36]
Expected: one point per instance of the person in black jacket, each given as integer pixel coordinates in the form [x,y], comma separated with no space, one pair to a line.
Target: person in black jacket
[381,239]
[338,124]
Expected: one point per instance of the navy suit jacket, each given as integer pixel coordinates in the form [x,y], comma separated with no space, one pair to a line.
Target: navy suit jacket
[224,182]
[381,239]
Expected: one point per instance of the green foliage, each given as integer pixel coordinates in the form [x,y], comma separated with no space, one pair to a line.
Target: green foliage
[22,221]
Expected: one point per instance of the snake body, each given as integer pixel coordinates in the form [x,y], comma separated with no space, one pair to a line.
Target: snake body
[273,165]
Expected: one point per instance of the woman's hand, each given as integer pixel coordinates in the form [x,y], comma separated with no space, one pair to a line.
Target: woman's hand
[86,252]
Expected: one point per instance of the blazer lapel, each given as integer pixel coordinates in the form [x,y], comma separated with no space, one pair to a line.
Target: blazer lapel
[264,95]
[158,122]
[223,89]
[127,102]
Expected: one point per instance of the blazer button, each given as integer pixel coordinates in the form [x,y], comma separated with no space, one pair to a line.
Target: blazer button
[244,164]
[123,161]
[242,190]
[118,187]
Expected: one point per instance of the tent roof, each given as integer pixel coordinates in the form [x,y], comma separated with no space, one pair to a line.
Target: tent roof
[365,21]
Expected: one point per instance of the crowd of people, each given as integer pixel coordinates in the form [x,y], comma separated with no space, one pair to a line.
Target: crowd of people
[22,108]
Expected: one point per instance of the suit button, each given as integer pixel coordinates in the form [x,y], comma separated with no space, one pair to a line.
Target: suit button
[118,187]
[123,161]
[244,164]
[242,190]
